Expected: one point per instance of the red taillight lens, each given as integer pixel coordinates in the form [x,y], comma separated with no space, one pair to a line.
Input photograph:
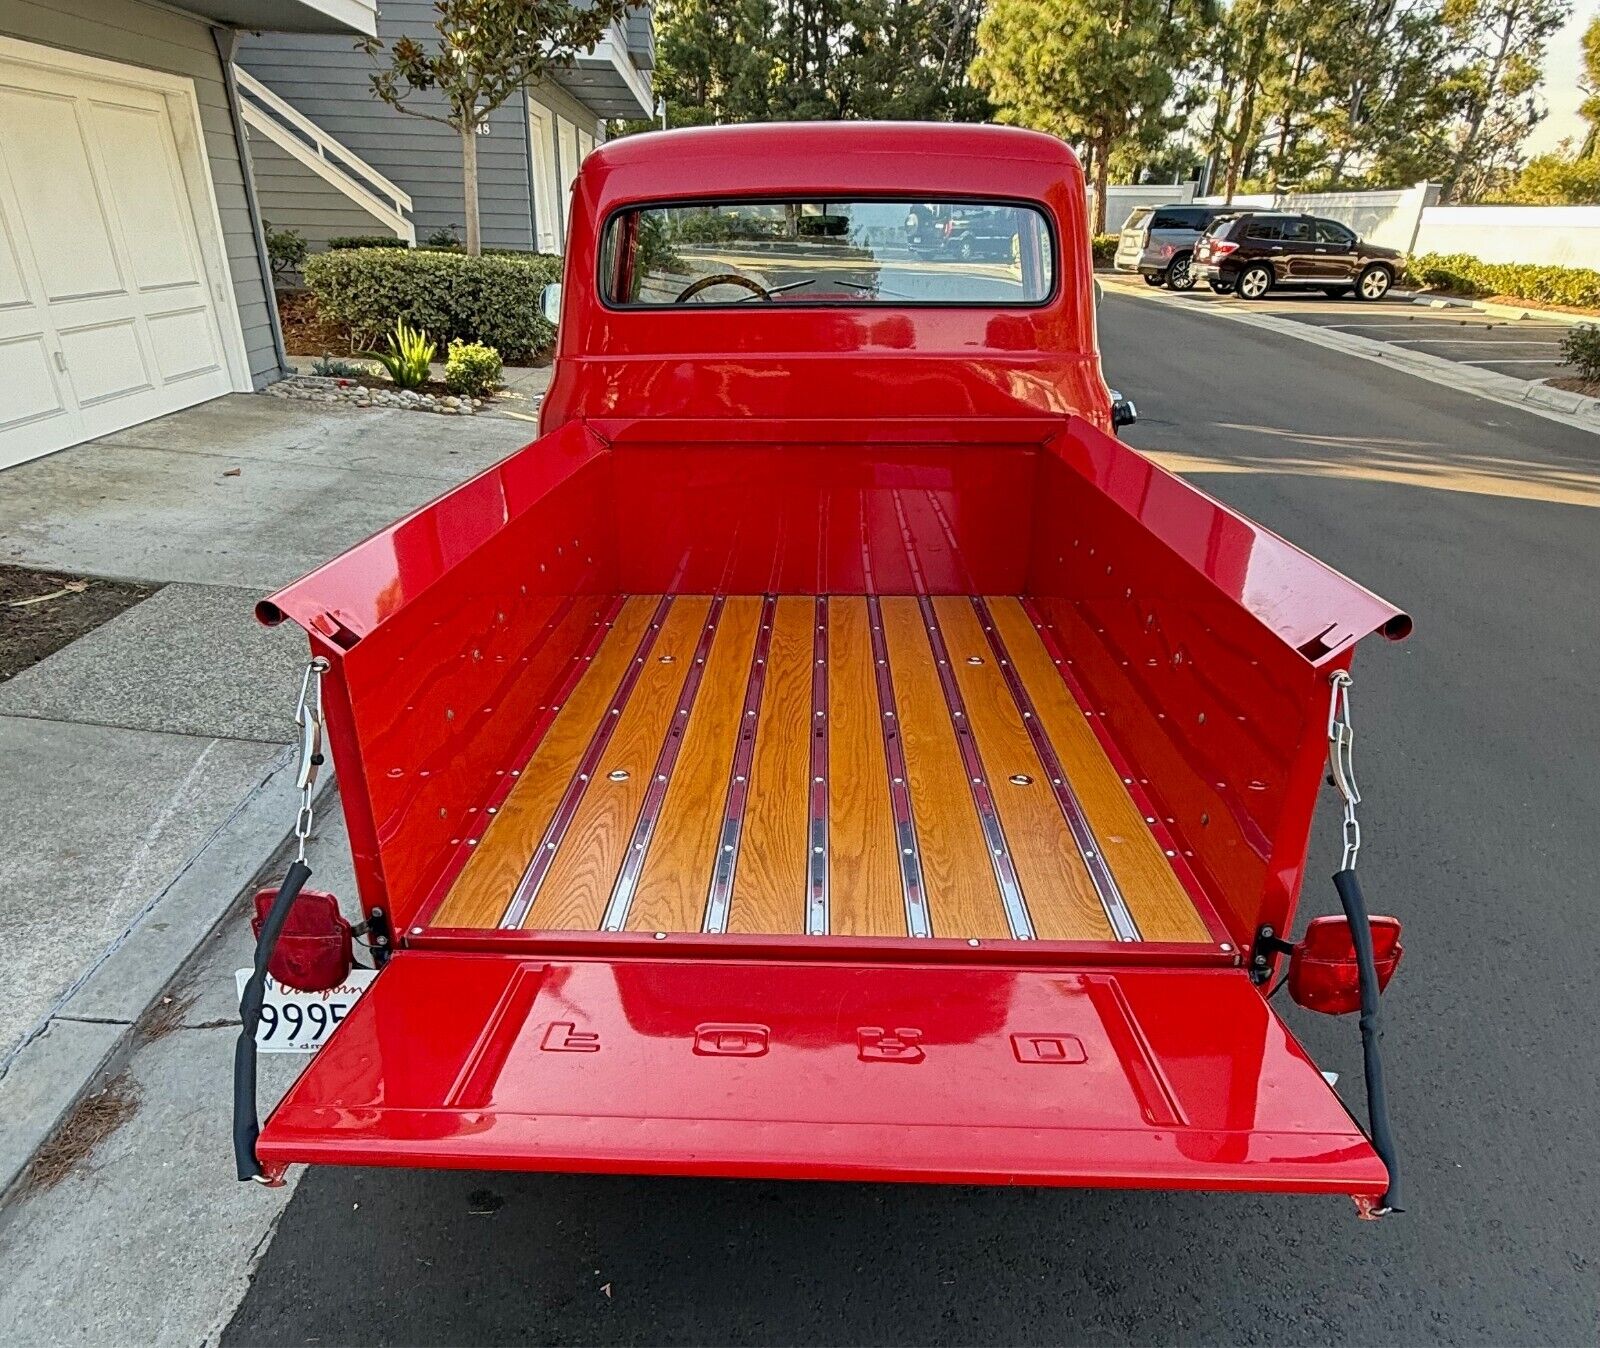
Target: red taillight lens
[1322,970]
[314,951]
[949,228]
[1221,248]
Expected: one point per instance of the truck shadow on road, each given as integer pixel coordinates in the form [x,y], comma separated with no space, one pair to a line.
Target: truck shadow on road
[417,1257]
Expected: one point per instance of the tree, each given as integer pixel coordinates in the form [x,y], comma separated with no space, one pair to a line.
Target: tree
[1560,179]
[1589,82]
[1095,72]
[713,62]
[488,50]
[1500,46]
[757,60]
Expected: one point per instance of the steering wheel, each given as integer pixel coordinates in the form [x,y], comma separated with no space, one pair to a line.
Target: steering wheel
[719,279]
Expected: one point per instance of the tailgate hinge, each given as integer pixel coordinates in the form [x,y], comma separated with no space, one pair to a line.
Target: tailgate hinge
[1267,944]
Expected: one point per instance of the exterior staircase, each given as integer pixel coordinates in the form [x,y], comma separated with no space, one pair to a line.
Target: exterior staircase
[298,136]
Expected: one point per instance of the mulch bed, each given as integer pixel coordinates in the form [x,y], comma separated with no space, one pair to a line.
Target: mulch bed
[305,333]
[66,607]
[1590,388]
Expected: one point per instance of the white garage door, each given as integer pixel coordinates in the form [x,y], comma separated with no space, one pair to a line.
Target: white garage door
[107,314]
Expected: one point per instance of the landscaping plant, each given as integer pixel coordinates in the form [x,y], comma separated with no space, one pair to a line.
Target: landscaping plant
[331,367]
[472,369]
[1103,248]
[1463,274]
[487,52]
[286,250]
[1580,348]
[410,354]
[366,241]
[492,299]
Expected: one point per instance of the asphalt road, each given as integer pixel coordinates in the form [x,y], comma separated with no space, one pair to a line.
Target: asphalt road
[1526,348]
[1477,746]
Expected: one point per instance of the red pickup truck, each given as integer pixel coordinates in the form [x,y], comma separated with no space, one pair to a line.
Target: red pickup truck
[827,751]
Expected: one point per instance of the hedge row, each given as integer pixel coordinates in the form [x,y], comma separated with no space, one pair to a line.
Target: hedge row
[1103,247]
[1578,287]
[492,299]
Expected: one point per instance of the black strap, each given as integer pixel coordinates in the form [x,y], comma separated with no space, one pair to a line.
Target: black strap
[246,1127]
[1355,911]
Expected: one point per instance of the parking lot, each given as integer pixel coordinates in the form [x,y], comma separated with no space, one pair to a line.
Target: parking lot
[1528,348]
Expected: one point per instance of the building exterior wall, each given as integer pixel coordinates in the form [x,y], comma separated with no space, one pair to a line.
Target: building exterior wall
[292,196]
[326,79]
[157,38]
[561,131]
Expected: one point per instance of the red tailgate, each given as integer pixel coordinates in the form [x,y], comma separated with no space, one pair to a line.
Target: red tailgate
[1151,1078]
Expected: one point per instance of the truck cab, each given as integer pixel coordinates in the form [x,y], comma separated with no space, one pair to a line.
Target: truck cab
[827,752]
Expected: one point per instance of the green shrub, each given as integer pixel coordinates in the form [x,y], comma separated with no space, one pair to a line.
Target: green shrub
[443,238]
[472,369]
[1580,348]
[332,367]
[1103,248]
[286,250]
[366,241]
[410,353]
[1463,274]
[492,299]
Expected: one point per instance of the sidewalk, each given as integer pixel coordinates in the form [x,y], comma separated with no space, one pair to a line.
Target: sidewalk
[142,1234]
[145,769]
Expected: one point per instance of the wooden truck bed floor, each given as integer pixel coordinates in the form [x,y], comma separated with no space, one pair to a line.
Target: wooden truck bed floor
[844,765]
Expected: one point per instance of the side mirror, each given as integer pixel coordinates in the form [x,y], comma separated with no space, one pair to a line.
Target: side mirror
[1123,412]
[550,303]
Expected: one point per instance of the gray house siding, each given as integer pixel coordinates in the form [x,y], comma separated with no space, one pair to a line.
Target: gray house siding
[326,79]
[160,39]
[291,195]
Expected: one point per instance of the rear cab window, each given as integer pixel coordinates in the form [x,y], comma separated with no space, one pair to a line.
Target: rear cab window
[828,253]
[1137,220]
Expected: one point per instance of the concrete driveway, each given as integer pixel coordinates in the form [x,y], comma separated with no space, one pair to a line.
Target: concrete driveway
[144,769]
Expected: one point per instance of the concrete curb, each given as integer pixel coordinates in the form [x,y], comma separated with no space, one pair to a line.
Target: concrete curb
[93,1024]
[1570,409]
[1512,311]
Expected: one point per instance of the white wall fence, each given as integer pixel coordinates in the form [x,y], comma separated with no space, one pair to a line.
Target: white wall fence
[1412,220]
[1559,236]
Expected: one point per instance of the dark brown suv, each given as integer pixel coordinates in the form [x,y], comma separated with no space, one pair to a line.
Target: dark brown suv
[1256,251]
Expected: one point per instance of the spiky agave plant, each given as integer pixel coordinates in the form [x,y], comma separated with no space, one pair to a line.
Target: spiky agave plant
[410,353]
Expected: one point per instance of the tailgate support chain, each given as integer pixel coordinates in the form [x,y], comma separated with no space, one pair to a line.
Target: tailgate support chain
[246,1122]
[1341,762]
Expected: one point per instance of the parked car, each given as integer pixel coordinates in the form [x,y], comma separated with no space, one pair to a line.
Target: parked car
[1158,242]
[966,232]
[1252,252]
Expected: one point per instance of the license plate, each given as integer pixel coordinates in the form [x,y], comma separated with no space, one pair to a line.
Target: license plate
[300,1022]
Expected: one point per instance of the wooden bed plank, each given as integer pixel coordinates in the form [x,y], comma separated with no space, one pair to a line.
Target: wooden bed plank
[1153,892]
[677,871]
[1060,896]
[769,885]
[865,895]
[963,898]
[484,888]
[575,891]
